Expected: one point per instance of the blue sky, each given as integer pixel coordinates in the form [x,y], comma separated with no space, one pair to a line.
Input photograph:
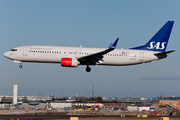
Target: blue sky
[90,24]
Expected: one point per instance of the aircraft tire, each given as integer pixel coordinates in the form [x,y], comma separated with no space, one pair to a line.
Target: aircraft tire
[20,66]
[88,69]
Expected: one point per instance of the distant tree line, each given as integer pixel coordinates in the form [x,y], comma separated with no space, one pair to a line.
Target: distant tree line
[6,99]
[97,99]
[10,99]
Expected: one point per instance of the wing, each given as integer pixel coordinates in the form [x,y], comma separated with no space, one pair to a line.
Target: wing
[96,57]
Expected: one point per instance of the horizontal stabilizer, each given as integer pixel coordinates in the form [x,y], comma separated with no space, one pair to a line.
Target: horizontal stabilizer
[164,53]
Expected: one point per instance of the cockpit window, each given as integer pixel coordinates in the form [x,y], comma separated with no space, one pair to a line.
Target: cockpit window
[13,50]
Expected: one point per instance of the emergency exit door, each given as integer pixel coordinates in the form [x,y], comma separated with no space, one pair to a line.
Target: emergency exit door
[141,56]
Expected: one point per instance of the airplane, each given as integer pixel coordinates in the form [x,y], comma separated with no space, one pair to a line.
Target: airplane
[152,51]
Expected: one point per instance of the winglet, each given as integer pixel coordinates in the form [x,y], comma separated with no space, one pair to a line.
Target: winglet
[113,45]
[110,45]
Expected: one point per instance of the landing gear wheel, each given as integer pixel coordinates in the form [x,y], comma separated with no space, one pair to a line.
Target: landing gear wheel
[20,66]
[88,69]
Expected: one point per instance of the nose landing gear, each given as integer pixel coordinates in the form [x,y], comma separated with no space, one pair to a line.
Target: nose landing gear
[88,69]
[20,66]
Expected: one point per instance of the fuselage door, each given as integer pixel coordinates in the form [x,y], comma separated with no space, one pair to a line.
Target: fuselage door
[141,56]
[25,50]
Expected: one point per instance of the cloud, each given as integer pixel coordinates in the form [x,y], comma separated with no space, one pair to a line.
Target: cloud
[160,78]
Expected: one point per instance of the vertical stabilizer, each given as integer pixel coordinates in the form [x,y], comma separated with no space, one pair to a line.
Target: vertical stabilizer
[160,40]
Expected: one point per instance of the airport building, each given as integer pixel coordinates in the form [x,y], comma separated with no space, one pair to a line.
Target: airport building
[51,102]
[139,100]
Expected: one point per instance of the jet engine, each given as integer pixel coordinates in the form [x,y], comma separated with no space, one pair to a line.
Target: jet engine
[69,62]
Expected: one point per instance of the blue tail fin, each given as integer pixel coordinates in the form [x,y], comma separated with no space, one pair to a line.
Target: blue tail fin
[160,40]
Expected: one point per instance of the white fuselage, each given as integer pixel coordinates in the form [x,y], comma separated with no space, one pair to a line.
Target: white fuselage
[54,54]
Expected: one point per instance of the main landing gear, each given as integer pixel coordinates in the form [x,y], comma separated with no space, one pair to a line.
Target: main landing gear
[20,66]
[88,69]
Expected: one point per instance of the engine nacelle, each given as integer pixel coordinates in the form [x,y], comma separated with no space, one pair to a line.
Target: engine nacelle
[69,62]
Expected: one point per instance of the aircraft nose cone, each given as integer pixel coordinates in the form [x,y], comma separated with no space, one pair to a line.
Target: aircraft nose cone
[6,54]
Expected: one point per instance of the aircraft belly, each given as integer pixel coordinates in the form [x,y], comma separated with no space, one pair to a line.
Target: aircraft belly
[121,61]
[42,58]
